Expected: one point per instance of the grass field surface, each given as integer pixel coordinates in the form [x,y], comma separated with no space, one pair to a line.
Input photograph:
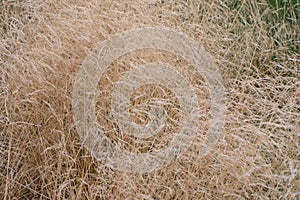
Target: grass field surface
[255,46]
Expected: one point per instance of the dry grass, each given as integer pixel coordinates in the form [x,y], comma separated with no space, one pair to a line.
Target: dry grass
[256,46]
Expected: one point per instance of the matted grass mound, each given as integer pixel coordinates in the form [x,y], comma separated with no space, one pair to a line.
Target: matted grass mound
[254,44]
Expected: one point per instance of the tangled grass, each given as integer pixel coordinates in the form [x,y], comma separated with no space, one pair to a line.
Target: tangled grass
[254,43]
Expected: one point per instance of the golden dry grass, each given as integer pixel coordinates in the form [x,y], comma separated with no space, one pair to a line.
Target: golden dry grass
[256,47]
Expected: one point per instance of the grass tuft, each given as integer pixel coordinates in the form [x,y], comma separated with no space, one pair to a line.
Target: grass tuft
[254,43]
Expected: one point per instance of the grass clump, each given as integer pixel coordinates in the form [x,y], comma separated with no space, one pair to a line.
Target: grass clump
[254,43]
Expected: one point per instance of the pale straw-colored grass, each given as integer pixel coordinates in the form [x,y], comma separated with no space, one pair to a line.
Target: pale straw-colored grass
[255,46]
